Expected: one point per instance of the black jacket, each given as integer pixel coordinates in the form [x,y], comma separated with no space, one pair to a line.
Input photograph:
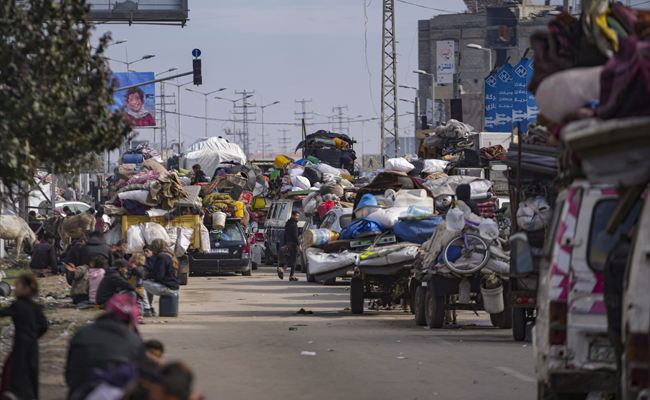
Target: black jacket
[199,177]
[163,272]
[291,233]
[44,257]
[96,245]
[107,343]
[74,257]
[112,284]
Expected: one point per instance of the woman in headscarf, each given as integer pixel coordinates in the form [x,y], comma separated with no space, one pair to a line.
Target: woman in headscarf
[165,276]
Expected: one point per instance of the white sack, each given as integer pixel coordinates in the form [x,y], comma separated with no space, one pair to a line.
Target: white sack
[183,241]
[172,232]
[301,182]
[396,257]
[153,231]
[387,217]
[327,169]
[565,91]
[205,239]
[210,152]
[431,166]
[135,239]
[136,195]
[114,235]
[534,214]
[320,263]
[296,172]
[399,164]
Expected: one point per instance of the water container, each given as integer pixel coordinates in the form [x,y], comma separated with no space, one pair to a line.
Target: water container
[407,198]
[488,229]
[318,237]
[417,210]
[133,158]
[492,299]
[280,161]
[218,221]
[168,305]
[455,220]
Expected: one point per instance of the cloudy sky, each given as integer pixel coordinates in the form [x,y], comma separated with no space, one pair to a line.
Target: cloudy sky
[284,50]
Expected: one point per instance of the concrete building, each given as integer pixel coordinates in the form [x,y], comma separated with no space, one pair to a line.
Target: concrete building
[504,28]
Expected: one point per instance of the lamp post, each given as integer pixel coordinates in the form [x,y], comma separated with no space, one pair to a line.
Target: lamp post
[169,70]
[234,113]
[178,87]
[263,132]
[479,47]
[433,86]
[128,64]
[416,105]
[206,104]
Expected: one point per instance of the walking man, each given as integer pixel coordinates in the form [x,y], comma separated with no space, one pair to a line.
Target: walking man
[292,243]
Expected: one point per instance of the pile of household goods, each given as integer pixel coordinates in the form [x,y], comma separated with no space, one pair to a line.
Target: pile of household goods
[448,139]
[212,152]
[334,149]
[393,215]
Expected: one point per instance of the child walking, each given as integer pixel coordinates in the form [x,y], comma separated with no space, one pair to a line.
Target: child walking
[20,373]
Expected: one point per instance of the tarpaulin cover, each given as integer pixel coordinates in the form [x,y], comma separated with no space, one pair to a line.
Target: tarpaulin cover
[320,262]
[367,200]
[416,231]
[211,152]
[360,226]
[323,134]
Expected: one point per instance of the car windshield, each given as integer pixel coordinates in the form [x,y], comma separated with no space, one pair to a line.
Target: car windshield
[230,233]
[600,243]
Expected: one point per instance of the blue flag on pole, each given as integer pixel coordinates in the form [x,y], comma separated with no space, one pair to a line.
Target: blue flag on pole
[490,102]
[503,122]
[520,95]
[533,110]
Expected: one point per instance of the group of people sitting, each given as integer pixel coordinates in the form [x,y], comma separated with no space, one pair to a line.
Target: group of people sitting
[97,271]
[106,360]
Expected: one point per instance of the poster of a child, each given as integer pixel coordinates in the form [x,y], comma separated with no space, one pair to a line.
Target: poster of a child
[138,103]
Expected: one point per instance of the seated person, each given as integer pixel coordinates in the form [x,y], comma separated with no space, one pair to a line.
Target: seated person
[199,176]
[44,256]
[68,212]
[96,272]
[78,277]
[115,282]
[155,351]
[165,277]
[96,245]
[150,258]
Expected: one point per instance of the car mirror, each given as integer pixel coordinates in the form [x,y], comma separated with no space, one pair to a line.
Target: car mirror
[521,255]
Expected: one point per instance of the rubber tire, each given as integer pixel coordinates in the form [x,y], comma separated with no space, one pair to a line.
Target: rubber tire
[329,282]
[519,324]
[310,277]
[419,304]
[434,309]
[184,278]
[268,258]
[184,260]
[356,295]
[414,284]
[248,272]
[255,266]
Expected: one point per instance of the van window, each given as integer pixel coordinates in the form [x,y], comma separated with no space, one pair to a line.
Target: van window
[282,212]
[230,233]
[551,236]
[600,243]
[272,211]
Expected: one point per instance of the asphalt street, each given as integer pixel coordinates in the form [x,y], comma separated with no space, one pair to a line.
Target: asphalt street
[235,333]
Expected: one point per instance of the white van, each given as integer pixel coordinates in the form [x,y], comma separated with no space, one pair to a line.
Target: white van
[573,354]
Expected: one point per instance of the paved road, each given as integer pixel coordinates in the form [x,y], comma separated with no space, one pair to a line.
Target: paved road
[234,332]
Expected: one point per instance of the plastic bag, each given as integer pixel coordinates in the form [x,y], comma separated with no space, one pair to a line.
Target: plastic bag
[367,200]
[301,182]
[432,166]
[360,226]
[416,231]
[534,214]
[135,239]
[399,164]
[488,229]
[152,231]
[327,169]
[296,172]
[313,174]
[324,208]
[311,208]
[114,235]
[183,241]
[320,263]
[205,239]
[387,217]
[172,232]
[455,219]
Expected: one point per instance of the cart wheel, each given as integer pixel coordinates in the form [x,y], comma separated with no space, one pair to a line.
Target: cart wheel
[413,286]
[435,309]
[356,295]
[519,324]
[419,306]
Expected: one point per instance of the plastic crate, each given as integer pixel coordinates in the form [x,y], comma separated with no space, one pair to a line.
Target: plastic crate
[499,187]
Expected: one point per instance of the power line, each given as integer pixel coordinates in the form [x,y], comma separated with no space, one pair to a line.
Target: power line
[421,6]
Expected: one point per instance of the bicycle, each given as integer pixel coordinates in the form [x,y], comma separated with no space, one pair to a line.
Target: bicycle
[460,253]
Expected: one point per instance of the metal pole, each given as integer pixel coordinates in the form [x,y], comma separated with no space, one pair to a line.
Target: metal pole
[206,116]
[53,190]
[263,136]
[179,126]
[490,60]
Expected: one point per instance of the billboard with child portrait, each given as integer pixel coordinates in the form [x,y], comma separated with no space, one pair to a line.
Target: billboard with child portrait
[139,103]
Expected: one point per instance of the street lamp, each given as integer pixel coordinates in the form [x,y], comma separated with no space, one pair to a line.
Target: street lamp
[118,42]
[234,113]
[127,63]
[169,70]
[433,85]
[263,134]
[479,47]
[206,104]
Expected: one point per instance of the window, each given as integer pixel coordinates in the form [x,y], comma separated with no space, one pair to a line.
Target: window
[271,214]
[297,206]
[600,243]
[282,212]
[229,234]
[82,207]
[345,220]
[328,221]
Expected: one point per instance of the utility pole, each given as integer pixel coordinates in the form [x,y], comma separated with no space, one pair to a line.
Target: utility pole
[245,115]
[338,113]
[305,115]
[284,140]
[389,125]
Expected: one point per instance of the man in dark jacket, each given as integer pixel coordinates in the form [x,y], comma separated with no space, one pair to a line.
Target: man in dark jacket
[613,276]
[96,245]
[292,243]
[115,282]
[75,255]
[199,176]
[111,342]
[44,256]
[464,193]
[164,278]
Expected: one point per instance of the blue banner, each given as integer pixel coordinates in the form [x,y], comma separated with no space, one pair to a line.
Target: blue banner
[490,102]
[533,110]
[138,103]
[503,122]
[520,95]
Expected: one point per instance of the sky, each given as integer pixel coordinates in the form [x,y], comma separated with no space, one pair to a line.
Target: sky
[284,50]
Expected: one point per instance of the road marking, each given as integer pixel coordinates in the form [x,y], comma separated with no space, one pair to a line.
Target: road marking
[516,374]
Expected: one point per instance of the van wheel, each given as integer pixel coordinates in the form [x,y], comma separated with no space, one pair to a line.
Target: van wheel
[248,272]
[435,309]
[268,258]
[310,277]
[356,295]
[418,306]
[519,324]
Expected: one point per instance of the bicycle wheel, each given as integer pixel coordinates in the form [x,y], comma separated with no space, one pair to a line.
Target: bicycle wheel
[466,260]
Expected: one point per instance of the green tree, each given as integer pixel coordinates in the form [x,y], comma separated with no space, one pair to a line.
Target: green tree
[54,90]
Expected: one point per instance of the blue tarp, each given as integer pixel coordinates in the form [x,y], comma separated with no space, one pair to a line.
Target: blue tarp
[415,231]
[360,226]
[367,200]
